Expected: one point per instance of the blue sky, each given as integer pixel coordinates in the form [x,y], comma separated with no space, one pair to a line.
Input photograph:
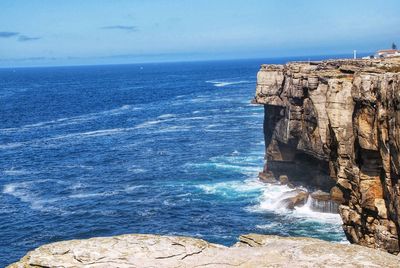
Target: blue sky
[55,32]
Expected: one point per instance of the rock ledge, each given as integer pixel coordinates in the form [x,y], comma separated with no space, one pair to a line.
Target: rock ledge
[252,250]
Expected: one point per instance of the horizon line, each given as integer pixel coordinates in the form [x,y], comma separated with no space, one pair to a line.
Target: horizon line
[183,61]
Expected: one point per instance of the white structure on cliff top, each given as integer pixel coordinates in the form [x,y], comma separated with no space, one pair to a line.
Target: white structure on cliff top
[386,53]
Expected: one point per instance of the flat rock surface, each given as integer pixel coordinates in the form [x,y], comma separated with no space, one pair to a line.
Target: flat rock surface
[252,250]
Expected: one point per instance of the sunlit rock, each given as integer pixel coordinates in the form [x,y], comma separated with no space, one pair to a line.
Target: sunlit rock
[335,126]
[252,250]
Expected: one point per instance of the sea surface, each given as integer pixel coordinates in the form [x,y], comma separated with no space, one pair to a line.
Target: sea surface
[170,148]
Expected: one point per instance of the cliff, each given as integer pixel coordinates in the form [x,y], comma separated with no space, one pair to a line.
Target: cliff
[335,126]
[172,251]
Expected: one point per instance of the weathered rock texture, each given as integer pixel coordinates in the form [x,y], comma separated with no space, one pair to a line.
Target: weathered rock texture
[171,251]
[335,125]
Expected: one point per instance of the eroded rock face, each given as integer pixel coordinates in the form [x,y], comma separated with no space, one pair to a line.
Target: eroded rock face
[335,126]
[252,250]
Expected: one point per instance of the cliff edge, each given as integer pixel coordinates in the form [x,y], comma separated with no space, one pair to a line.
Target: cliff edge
[252,250]
[335,125]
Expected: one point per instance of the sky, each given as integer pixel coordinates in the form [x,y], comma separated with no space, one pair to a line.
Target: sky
[76,32]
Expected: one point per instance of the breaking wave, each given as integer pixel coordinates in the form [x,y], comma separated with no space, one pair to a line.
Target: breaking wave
[221,83]
[271,201]
[268,199]
[164,116]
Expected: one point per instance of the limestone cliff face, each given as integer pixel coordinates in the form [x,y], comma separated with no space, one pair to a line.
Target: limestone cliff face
[252,250]
[335,125]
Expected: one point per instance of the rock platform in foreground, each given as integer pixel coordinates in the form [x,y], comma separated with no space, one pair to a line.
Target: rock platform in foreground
[252,250]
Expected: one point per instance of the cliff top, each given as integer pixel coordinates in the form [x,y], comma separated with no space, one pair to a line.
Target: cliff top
[273,89]
[344,66]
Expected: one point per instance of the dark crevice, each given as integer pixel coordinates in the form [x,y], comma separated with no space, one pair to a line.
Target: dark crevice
[193,253]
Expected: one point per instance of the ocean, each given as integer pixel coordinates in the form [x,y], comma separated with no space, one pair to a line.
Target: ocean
[171,148]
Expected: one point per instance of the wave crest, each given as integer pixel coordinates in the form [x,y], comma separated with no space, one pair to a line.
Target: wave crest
[222,83]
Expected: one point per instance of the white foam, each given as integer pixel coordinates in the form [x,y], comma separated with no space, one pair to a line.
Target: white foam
[270,195]
[173,129]
[91,195]
[164,116]
[75,135]
[221,83]
[12,145]
[76,186]
[79,166]
[232,188]
[271,201]
[212,126]
[199,100]
[23,192]
[249,160]
[130,189]
[307,213]
[9,188]
[136,170]
[167,203]
[270,226]
[149,123]
[94,133]
[216,130]
[225,166]
[16,172]
[71,120]
[193,118]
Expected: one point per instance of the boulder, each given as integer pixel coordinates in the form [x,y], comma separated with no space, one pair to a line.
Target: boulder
[267,177]
[298,199]
[321,195]
[283,179]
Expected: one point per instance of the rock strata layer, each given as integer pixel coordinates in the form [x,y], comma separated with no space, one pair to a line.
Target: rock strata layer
[172,251]
[335,126]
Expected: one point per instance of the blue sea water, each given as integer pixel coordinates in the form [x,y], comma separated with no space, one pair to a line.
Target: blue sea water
[170,148]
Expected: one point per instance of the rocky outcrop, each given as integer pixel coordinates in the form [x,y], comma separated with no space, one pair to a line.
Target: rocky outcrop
[296,198]
[172,251]
[323,202]
[335,126]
